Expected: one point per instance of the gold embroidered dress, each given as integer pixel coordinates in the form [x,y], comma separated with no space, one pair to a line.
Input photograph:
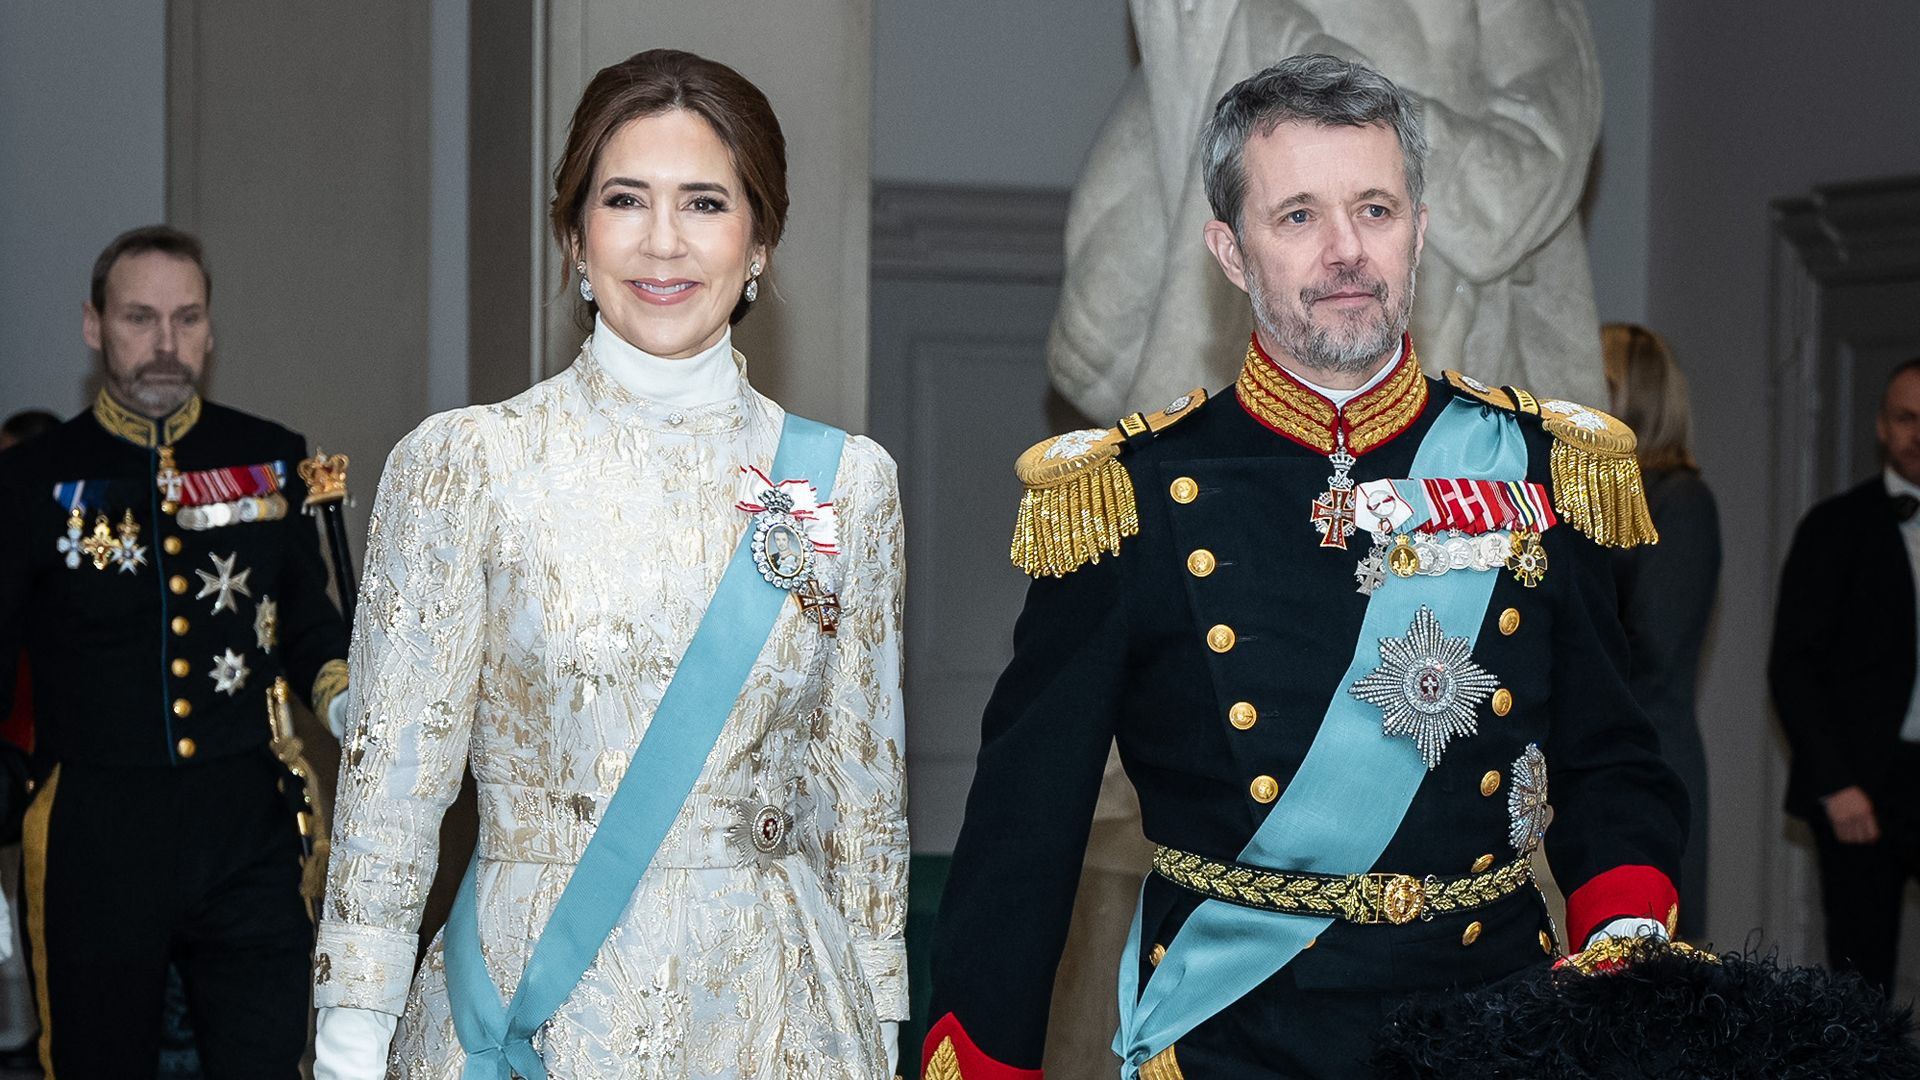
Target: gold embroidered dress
[535,571]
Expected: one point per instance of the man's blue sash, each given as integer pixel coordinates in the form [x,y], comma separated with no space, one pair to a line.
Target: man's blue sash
[669,760]
[1347,800]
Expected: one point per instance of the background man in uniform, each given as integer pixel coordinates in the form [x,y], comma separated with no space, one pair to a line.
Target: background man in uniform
[1842,669]
[1346,784]
[154,570]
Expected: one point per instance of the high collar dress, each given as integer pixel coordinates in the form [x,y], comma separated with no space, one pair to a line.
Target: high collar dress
[534,573]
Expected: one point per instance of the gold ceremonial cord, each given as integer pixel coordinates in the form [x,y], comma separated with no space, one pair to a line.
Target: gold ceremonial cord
[1356,898]
[33,842]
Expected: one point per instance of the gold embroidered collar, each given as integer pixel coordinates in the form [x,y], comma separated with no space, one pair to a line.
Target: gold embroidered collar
[145,431]
[1291,408]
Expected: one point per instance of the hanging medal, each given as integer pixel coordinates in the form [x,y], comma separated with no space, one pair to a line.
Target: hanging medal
[168,480]
[131,555]
[792,531]
[1332,514]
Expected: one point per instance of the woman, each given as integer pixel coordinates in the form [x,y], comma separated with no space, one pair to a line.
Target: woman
[1667,589]
[535,574]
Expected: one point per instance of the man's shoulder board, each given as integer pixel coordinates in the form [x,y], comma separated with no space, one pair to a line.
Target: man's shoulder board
[1079,500]
[1597,486]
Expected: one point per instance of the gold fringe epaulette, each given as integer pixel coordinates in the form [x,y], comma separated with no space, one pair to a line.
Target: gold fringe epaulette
[1597,486]
[1079,502]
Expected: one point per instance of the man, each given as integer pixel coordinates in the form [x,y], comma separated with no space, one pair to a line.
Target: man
[1842,670]
[152,572]
[1346,784]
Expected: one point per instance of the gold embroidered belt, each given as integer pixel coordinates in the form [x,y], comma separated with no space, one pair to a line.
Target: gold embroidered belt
[1357,898]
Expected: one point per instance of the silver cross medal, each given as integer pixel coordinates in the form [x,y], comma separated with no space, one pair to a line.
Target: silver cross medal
[1333,509]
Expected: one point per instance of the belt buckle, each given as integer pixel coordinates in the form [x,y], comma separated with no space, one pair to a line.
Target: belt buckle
[1396,898]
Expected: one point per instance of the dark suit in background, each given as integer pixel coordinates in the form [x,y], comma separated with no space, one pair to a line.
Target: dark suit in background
[1842,671]
[1666,596]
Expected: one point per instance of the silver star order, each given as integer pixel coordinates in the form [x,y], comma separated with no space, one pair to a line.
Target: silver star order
[266,624]
[223,585]
[229,673]
[1527,809]
[1426,687]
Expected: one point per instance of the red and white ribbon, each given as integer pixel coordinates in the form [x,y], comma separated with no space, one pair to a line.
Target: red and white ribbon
[816,518]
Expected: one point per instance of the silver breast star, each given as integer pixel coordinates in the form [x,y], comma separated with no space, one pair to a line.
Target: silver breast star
[1426,687]
[229,673]
[1527,808]
[223,585]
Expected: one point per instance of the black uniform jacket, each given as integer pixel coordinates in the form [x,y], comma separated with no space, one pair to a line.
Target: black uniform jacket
[1118,649]
[1842,665]
[125,658]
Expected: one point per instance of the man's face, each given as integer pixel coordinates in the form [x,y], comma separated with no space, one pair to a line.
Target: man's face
[1899,426]
[1328,242]
[154,334]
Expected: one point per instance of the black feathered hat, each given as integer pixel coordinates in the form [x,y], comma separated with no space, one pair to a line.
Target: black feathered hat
[1664,1012]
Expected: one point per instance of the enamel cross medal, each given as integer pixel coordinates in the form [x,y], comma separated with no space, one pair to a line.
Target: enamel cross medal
[1333,516]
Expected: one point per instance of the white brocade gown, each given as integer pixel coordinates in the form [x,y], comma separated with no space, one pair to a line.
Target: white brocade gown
[534,573]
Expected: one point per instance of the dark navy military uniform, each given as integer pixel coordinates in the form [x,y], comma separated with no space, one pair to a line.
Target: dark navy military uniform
[1213,724]
[155,620]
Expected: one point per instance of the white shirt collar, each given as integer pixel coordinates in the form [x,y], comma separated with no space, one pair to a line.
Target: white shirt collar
[1341,397]
[705,378]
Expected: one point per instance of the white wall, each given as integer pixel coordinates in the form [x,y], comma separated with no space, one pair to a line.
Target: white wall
[1748,110]
[998,93]
[1616,205]
[82,157]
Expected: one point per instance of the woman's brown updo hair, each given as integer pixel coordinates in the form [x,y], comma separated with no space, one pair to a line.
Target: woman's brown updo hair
[654,82]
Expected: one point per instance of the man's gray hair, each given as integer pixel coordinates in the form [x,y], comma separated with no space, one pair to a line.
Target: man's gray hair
[1315,89]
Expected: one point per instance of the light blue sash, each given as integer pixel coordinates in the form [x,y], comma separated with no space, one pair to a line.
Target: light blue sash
[1322,823]
[665,766]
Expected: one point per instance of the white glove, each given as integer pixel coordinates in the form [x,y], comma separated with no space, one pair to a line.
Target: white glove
[1629,928]
[337,715]
[889,1037]
[351,1044]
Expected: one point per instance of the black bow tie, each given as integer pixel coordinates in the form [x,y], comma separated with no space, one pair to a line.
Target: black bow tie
[1904,507]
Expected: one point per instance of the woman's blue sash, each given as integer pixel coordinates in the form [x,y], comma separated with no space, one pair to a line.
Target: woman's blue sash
[1349,796]
[498,1040]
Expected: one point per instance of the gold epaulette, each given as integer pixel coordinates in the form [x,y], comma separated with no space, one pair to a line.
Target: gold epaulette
[1079,501]
[1597,486]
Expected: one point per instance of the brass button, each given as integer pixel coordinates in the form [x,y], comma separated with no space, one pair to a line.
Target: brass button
[181,706]
[1509,620]
[177,583]
[1311,942]
[180,625]
[1264,789]
[1184,490]
[1546,943]
[1472,933]
[1483,864]
[171,545]
[1502,701]
[1243,715]
[1200,563]
[181,668]
[1158,954]
[186,748]
[1490,783]
[1221,638]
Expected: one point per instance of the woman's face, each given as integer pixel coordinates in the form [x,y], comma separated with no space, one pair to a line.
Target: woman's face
[667,236]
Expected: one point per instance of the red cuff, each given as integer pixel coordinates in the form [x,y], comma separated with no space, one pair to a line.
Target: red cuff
[1624,892]
[949,1054]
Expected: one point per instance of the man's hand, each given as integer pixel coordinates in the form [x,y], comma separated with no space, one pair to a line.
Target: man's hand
[1851,813]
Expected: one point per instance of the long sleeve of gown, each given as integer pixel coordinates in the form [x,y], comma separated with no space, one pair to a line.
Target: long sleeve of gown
[860,758]
[416,655]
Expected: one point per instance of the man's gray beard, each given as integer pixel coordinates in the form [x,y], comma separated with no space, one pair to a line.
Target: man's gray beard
[155,399]
[1318,350]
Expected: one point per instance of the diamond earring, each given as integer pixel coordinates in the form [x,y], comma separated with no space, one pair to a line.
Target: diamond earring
[586,287]
[753,282]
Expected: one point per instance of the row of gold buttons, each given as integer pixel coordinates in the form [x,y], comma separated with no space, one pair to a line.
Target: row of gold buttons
[182,708]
